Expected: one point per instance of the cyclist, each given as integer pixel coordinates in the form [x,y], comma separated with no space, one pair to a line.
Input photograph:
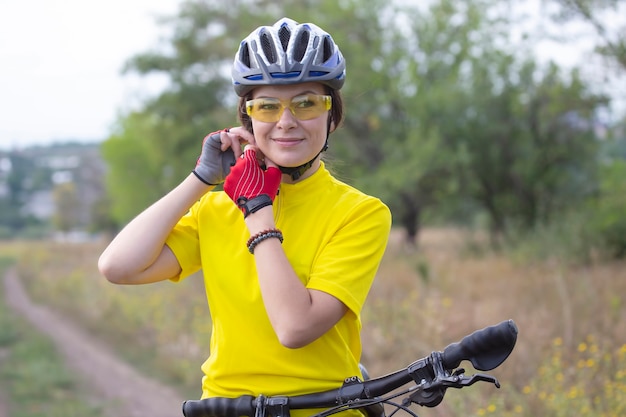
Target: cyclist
[287,251]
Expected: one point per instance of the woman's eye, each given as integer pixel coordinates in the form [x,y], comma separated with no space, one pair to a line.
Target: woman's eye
[304,103]
[268,106]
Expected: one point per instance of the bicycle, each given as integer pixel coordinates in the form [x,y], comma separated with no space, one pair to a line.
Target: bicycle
[429,377]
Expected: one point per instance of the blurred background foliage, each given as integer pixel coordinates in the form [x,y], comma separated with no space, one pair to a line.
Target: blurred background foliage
[453,118]
[450,118]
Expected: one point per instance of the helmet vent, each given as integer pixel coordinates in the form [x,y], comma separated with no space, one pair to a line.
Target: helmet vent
[301,45]
[268,47]
[284,34]
[244,55]
[285,53]
[327,48]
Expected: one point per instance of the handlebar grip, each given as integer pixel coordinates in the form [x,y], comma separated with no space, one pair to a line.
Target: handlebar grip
[485,349]
[220,407]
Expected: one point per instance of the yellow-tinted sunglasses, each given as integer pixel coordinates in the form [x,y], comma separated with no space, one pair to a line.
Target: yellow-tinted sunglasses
[305,107]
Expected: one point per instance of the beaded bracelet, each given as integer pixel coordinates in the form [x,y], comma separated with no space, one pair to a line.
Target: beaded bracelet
[261,236]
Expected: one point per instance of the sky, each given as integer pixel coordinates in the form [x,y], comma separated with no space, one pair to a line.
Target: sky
[61,61]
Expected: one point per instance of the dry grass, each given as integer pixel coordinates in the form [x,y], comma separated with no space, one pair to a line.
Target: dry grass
[423,299]
[433,295]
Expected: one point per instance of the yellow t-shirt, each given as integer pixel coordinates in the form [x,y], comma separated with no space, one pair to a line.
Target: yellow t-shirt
[334,238]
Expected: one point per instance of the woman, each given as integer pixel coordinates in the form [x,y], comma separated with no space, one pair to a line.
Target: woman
[287,251]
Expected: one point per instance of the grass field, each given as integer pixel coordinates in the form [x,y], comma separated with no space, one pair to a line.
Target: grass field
[33,378]
[569,360]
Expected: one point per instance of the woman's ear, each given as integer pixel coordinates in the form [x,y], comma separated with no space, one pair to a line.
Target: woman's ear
[331,124]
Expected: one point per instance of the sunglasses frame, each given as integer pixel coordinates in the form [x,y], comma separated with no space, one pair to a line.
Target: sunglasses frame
[323,99]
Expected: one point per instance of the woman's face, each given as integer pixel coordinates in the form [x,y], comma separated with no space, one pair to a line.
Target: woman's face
[291,142]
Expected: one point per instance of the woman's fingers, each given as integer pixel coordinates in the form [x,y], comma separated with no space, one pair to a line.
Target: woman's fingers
[235,138]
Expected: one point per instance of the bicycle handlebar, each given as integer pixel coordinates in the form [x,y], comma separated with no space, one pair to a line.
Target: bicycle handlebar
[485,349]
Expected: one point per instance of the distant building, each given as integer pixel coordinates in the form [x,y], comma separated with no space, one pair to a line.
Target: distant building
[40,205]
[45,168]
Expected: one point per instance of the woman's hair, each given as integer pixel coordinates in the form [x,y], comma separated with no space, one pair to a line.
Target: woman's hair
[336,111]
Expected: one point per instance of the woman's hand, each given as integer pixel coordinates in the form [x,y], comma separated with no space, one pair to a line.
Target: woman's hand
[251,186]
[220,150]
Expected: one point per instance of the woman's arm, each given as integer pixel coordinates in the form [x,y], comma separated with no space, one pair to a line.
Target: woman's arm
[138,254]
[298,315]
[338,282]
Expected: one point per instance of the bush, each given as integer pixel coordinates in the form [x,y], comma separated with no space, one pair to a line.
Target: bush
[608,216]
[568,238]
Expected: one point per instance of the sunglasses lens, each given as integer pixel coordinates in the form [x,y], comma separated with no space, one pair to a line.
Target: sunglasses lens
[303,107]
[264,109]
[309,106]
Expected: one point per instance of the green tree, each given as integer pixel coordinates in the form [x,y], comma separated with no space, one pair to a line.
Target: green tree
[23,177]
[67,207]
[606,210]
[476,125]
[136,166]
[532,146]
[608,218]
[606,17]
[153,148]
[425,73]
[441,113]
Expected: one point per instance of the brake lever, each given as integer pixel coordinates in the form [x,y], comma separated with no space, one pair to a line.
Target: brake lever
[429,390]
[430,393]
[465,381]
[460,381]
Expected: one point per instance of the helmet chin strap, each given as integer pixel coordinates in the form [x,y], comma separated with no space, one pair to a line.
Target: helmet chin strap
[296,172]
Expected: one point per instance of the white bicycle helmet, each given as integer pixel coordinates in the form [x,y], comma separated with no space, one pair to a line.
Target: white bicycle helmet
[287,53]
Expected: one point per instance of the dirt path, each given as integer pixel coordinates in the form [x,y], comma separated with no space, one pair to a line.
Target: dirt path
[3,404]
[121,391]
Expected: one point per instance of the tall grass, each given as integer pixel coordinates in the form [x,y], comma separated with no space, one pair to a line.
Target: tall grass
[423,299]
[427,298]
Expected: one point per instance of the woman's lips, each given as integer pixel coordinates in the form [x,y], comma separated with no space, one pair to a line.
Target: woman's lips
[287,141]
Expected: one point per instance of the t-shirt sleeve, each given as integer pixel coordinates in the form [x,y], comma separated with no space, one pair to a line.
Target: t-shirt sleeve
[347,265]
[184,243]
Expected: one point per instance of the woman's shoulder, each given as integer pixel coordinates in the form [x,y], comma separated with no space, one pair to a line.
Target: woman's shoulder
[353,193]
[350,199]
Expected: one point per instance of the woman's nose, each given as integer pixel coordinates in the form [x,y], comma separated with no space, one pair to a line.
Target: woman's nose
[287,119]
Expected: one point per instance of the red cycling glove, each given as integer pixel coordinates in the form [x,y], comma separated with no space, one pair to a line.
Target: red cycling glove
[250,186]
